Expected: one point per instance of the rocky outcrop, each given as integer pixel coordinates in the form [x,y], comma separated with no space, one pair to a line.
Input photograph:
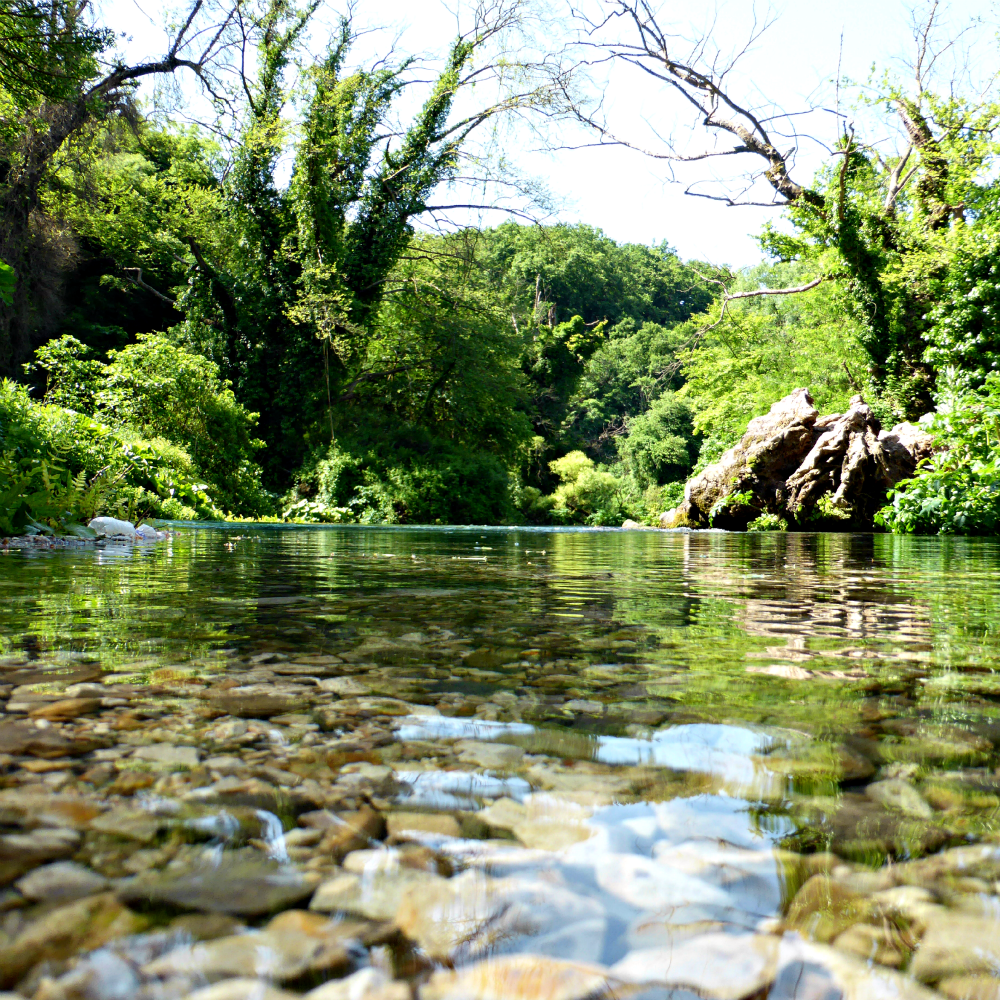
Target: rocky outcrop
[811,471]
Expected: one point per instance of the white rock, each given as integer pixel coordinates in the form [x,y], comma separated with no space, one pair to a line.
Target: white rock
[367,984]
[489,755]
[717,966]
[167,753]
[522,977]
[346,687]
[901,795]
[630,524]
[957,945]
[112,527]
[375,894]
[816,970]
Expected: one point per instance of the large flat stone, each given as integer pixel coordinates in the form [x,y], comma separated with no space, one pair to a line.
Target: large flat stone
[241,888]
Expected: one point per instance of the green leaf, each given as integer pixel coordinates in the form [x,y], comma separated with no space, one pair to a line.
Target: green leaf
[8,282]
[79,530]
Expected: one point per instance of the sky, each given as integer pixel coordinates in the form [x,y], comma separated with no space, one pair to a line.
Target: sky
[630,196]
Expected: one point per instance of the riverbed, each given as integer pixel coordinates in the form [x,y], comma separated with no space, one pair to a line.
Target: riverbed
[359,763]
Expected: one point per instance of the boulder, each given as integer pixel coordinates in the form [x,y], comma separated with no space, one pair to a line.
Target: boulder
[814,472]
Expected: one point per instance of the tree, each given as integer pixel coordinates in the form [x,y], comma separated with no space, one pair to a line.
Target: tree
[54,82]
[875,223]
[288,298]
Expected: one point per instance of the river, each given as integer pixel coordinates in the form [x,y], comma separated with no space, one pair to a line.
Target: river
[367,763]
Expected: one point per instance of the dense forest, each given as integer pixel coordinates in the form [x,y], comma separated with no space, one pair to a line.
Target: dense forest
[191,328]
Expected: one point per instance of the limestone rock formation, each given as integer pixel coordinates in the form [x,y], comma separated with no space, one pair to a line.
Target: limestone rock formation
[813,472]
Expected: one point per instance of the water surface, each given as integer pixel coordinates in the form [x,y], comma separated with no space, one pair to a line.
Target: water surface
[631,717]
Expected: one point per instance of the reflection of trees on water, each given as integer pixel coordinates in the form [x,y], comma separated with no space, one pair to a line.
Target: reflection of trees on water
[561,591]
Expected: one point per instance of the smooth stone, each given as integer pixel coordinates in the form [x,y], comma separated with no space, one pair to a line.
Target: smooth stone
[345,687]
[168,754]
[648,885]
[542,822]
[245,888]
[957,945]
[293,943]
[65,709]
[871,943]
[366,984]
[206,926]
[242,989]
[255,701]
[20,852]
[900,795]
[398,824]
[473,916]
[823,908]
[31,809]
[226,764]
[130,824]
[376,895]
[808,970]
[79,926]
[26,738]
[101,974]
[498,756]
[970,987]
[520,977]
[60,882]
[716,966]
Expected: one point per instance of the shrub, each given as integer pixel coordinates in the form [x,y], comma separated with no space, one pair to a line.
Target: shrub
[399,473]
[957,492]
[660,446]
[159,390]
[64,467]
[586,494]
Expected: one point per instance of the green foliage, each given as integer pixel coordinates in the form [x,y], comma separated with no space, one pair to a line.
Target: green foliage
[552,273]
[46,49]
[8,281]
[768,522]
[71,372]
[964,330]
[660,445]
[40,496]
[61,466]
[767,347]
[957,492]
[586,494]
[158,390]
[394,473]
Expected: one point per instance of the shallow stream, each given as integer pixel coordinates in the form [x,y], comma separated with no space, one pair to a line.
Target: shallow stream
[492,764]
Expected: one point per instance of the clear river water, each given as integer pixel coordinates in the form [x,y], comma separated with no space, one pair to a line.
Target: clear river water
[366,763]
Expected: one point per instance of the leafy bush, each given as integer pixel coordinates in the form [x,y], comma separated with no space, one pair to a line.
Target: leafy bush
[587,494]
[957,492]
[61,467]
[161,391]
[660,446]
[768,522]
[398,473]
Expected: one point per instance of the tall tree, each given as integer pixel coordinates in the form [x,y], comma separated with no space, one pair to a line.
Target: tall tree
[874,222]
[56,78]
